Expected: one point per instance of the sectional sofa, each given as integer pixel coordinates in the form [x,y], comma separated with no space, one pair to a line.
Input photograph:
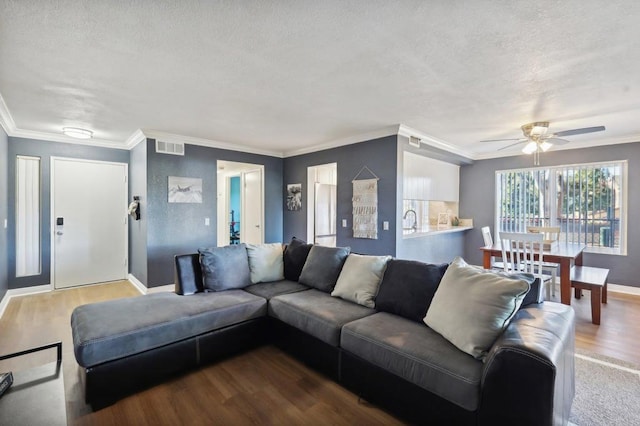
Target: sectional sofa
[451,344]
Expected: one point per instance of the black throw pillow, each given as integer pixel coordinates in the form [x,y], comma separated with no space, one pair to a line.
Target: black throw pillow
[408,287]
[323,266]
[294,257]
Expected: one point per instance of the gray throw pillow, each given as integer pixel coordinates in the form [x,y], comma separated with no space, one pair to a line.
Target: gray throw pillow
[225,268]
[265,262]
[472,306]
[323,266]
[360,279]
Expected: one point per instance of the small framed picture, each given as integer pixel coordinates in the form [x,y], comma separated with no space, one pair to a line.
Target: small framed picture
[443,220]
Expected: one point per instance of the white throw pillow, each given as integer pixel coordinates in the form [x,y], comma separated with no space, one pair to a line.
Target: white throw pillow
[360,279]
[472,306]
[265,262]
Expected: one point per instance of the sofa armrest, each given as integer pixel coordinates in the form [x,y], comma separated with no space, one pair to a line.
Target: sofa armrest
[188,274]
[528,377]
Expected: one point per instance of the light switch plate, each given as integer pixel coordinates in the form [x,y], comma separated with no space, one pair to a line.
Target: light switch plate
[385,225]
[5,224]
[344,223]
[206,221]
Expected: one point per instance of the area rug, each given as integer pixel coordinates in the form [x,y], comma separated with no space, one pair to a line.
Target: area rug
[607,392]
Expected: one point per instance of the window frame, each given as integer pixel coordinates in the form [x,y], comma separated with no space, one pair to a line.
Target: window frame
[623,231]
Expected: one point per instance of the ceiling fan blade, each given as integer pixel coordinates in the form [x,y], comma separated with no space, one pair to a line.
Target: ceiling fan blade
[513,144]
[501,140]
[556,141]
[579,131]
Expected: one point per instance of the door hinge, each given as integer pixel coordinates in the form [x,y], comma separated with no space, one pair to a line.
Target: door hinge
[125,262]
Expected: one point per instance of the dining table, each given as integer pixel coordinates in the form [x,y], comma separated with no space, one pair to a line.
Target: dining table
[564,254]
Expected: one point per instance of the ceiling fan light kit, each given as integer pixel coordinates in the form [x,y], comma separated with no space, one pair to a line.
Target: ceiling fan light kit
[537,140]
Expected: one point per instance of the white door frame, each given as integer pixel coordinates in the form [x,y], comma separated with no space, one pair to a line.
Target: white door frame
[125,202]
[259,169]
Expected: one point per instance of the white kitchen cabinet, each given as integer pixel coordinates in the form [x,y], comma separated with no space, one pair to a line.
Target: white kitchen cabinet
[428,179]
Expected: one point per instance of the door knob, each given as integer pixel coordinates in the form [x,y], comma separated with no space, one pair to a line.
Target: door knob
[59,232]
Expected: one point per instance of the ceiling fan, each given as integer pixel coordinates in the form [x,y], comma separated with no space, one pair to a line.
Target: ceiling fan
[538,140]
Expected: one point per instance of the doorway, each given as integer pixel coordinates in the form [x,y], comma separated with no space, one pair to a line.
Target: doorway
[321,204]
[88,221]
[240,208]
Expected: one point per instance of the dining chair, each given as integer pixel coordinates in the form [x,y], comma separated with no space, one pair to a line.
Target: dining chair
[488,241]
[522,252]
[550,233]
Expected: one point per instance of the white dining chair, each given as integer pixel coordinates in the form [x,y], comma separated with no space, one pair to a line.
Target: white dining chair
[550,233]
[522,252]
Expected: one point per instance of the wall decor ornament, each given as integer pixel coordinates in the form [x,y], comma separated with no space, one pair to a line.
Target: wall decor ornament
[185,190]
[365,206]
[294,196]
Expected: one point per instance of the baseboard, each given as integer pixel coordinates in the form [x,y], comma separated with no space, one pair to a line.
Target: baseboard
[145,290]
[14,292]
[626,289]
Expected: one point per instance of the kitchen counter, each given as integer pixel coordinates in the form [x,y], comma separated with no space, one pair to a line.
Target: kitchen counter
[432,230]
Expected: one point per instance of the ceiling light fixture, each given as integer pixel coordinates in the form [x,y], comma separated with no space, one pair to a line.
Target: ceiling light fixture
[77,133]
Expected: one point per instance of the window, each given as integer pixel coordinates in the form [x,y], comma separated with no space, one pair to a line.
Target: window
[587,202]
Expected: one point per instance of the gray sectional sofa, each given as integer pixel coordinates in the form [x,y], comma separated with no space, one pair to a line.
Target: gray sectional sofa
[388,329]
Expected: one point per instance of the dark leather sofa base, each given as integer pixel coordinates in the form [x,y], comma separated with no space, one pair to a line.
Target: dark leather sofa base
[312,351]
[106,383]
[398,396]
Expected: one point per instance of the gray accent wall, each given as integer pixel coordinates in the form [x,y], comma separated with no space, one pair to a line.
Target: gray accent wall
[477,196]
[4,196]
[138,228]
[179,228]
[45,150]
[379,155]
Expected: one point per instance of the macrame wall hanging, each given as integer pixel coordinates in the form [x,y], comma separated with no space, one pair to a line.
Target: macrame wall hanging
[365,206]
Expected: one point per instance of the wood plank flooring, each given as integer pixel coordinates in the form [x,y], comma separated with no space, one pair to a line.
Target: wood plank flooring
[264,386]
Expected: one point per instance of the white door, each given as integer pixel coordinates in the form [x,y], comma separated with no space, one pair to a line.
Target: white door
[89,222]
[252,229]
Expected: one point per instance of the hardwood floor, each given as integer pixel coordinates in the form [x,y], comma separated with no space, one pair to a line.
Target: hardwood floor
[264,386]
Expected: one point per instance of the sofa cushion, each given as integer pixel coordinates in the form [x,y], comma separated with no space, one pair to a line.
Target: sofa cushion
[265,262]
[417,354]
[323,266]
[115,329]
[295,255]
[225,268]
[275,288]
[472,306]
[360,278]
[408,287]
[316,313]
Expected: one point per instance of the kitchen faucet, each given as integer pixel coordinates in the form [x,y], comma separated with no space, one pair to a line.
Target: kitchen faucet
[415,218]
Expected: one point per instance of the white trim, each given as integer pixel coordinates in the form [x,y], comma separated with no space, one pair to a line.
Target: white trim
[146,290]
[6,120]
[54,137]
[52,225]
[170,137]
[625,289]
[23,291]
[135,138]
[349,140]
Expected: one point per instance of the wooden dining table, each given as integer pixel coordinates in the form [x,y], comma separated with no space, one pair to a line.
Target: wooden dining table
[564,254]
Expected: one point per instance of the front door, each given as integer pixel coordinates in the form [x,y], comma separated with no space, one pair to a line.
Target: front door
[89,221]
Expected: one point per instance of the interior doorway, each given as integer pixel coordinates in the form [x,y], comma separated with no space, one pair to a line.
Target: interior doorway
[240,208]
[321,204]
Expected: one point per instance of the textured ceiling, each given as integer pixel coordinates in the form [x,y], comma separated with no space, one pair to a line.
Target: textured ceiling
[287,76]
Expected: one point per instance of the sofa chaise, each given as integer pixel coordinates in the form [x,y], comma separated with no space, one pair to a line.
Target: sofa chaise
[388,329]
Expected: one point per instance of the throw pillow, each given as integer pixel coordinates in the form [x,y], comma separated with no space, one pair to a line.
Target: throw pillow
[265,262]
[294,257]
[360,278]
[224,268]
[472,306]
[408,287]
[323,266]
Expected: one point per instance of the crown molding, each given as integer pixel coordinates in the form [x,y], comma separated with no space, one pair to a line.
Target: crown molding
[433,141]
[170,137]
[376,134]
[6,120]
[54,137]
[135,138]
